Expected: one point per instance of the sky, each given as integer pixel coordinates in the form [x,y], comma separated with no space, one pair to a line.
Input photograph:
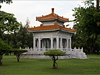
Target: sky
[23,9]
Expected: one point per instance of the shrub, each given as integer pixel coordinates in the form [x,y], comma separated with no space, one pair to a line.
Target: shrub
[4,48]
[18,52]
[54,54]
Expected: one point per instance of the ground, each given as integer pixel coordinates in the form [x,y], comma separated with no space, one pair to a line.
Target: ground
[44,66]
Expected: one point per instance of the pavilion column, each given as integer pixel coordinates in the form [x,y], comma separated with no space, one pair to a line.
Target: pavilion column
[34,44]
[70,43]
[43,44]
[39,43]
[57,43]
[61,43]
[67,43]
[51,42]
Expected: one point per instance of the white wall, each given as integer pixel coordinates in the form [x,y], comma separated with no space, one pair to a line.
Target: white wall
[52,23]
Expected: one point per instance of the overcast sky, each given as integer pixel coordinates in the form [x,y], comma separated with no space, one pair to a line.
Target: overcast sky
[23,9]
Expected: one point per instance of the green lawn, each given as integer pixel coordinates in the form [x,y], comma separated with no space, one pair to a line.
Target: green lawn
[89,66]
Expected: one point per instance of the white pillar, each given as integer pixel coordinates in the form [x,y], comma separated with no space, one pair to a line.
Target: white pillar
[39,43]
[67,43]
[61,43]
[70,43]
[51,42]
[57,43]
[43,43]
[34,42]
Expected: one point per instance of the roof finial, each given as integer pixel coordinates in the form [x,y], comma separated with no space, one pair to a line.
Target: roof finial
[52,10]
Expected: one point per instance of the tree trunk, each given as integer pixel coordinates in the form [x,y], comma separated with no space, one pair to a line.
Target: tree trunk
[97,6]
[89,46]
[18,57]
[54,62]
[92,47]
[93,43]
[97,52]
[0,60]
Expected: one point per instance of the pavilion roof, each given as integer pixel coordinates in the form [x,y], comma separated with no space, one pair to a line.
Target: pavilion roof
[52,16]
[51,27]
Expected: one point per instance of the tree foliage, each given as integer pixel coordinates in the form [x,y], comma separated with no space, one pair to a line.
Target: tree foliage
[20,38]
[25,39]
[86,22]
[8,23]
[3,49]
[54,54]
[18,52]
[6,1]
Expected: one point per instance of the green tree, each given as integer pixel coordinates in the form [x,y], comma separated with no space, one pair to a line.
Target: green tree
[54,54]
[86,19]
[7,1]
[18,52]
[97,45]
[4,48]
[25,39]
[8,23]
[20,38]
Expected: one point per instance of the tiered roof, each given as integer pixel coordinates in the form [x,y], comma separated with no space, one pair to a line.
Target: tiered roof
[51,28]
[54,27]
[52,16]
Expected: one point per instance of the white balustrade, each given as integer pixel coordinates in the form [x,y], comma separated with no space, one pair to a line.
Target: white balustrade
[77,53]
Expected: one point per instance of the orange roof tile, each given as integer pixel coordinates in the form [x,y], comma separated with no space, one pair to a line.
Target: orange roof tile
[51,16]
[51,27]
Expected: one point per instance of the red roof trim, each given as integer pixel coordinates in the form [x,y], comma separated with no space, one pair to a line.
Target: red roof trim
[52,16]
[50,27]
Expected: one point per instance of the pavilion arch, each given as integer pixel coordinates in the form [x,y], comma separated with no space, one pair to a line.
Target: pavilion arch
[64,44]
[45,43]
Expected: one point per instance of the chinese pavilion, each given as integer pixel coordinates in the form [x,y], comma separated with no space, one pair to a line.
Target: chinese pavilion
[51,34]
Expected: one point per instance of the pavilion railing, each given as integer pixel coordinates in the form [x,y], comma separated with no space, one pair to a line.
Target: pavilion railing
[42,50]
[73,53]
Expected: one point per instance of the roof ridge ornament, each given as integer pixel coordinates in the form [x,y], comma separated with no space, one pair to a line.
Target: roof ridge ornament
[52,16]
[52,10]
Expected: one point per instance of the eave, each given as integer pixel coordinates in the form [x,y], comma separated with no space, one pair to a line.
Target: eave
[48,28]
[53,30]
[52,16]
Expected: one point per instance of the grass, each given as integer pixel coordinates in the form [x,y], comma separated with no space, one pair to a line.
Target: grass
[89,66]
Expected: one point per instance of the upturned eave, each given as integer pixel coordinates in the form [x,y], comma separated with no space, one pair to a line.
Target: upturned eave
[52,16]
[53,30]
